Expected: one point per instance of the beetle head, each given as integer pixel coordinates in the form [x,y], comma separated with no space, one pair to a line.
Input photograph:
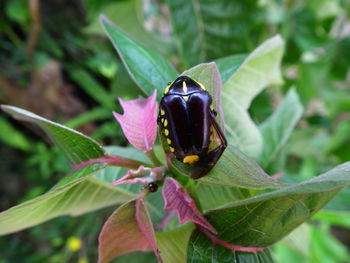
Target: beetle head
[183,85]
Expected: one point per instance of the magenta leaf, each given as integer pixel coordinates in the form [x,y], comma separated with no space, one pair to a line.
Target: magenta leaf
[139,121]
[127,230]
[176,198]
[143,175]
[111,160]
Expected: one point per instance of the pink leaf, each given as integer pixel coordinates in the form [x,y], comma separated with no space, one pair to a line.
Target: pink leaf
[144,224]
[127,230]
[112,160]
[176,198]
[139,121]
[143,175]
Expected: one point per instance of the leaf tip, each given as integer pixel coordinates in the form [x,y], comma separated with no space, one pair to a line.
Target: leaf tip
[6,108]
[104,19]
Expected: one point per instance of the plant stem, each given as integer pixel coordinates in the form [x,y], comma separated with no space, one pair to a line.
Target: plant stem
[151,155]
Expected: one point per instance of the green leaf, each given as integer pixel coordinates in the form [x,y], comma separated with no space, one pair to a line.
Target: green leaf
[264,219]
[188,26]
[202,249]
[76,146]
[73,198]
[299,239]
[228,65]
[18,11]
[173,244]
[279,126]
[214,196]
[336,218]
[260,69]
[98,113]
[206,30]
[92,87]
[139,257]
[147,68]
[326,248]
[13,137]
[286,254]
[129,16]
[237,170]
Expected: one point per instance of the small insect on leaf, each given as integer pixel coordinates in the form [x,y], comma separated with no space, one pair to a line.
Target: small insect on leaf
[152,187]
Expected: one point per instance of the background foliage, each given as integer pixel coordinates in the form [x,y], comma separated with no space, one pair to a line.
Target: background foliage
[60,65]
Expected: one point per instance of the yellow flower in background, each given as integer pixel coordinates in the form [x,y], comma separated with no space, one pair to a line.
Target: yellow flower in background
[83,260]
[74,244]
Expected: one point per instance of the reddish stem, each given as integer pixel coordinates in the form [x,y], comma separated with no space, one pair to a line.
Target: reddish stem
[111,160]
[228,245]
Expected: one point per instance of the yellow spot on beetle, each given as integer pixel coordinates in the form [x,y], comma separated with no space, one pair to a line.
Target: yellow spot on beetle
[166,132]
[191,159]
[168,141]
[165,122]
[211,107]
[201,85]
[162,120]
[166,89]
[172,149]
[162,112]
[184,86]
[185,98]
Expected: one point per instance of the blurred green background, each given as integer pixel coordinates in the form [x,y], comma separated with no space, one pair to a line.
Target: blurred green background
[56,61]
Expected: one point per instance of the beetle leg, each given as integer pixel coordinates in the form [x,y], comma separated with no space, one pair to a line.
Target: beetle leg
[217,128]
[207,162]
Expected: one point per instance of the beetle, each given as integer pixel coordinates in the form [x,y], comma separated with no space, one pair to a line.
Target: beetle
[187,119]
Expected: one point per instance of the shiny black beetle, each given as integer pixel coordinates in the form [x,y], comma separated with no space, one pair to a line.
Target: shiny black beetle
[187,119]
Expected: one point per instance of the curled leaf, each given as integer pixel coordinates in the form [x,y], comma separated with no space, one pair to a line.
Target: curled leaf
[143,175]
[176,198]
[139,121]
